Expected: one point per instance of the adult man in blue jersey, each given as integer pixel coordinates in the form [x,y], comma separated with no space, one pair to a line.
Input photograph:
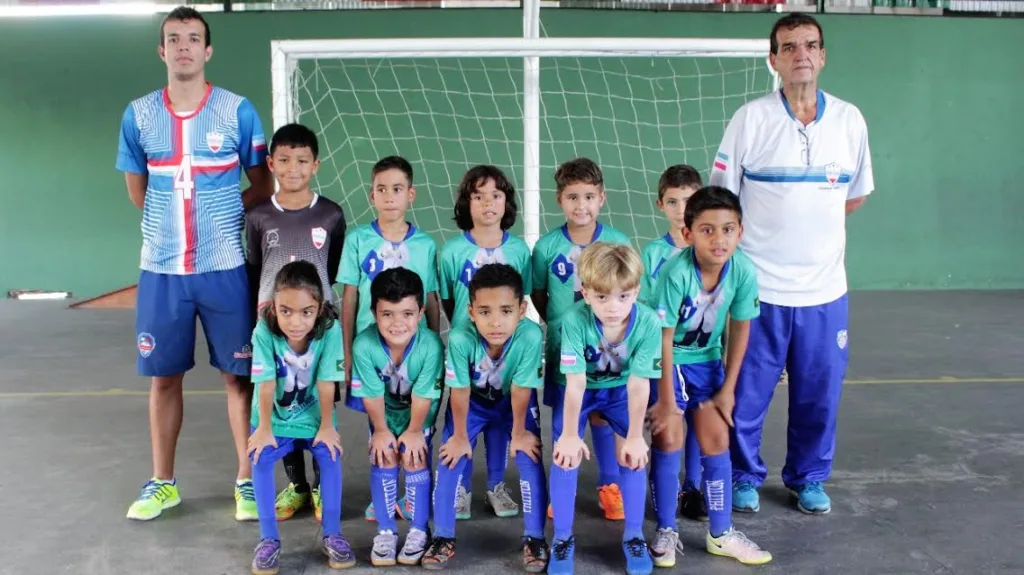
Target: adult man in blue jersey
[800,162]
[183,149]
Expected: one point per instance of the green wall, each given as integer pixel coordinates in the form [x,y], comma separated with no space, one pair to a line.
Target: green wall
[939,96]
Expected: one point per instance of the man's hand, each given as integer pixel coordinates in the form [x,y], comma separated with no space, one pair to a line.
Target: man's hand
[569,452]
[415,444]
[453,450]
[262,437]
[328,436]
[383,448]
[661,414]
[526,442]
[634,453]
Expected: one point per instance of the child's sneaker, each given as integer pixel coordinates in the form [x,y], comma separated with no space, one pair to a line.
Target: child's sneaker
[415,546]
[401,510]
[535,554]
[663,550]
[745,498]
[384,548]
[156,496]
[289,501]
[339,552]
[609,499]
[563,555]
[266,558]
[318,504]
[692,505]
[638,558]
[734,544]
[245,501]
[811,498]
[463,503]
[500,500]
[440,553]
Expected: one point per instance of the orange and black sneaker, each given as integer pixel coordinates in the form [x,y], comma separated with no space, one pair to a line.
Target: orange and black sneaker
[439,554]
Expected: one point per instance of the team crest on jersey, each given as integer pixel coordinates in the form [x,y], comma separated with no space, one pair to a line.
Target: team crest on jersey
[319,237]
[214,141]
[832,172]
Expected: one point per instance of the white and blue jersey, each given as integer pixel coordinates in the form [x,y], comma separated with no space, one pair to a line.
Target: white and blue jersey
[193,217]
[793,182]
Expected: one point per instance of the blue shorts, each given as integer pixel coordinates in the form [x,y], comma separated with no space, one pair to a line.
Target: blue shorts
[481,416]
[165,321]
[682,398]
[703,380]
[612,403]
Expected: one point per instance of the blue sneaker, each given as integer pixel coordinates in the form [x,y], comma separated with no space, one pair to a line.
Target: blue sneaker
[811,498]
[745,498]
[562,557]
[638,558]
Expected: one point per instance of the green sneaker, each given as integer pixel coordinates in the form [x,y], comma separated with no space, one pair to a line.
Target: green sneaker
[245,501]
[318,504]
[289,502]
[157,495]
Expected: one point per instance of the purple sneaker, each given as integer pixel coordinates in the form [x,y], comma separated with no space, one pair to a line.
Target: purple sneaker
[339,552]
[266,557]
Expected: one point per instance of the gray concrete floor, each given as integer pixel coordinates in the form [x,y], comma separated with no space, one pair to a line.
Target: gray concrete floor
[927,478]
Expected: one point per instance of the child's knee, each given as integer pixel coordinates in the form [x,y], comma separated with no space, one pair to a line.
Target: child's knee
[414,467]
[669,439]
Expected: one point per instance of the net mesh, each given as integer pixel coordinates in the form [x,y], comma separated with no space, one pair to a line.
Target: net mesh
[634,116]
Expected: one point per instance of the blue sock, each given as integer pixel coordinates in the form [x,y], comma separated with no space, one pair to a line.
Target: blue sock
[718,492]
[263,488]
[534,490]
[604,451]
[330,489]
[417,487]
[467,475]
[665,485]
[444,499]
[496,440]
[563,499]
[634,493]
[384,492]
[691,456]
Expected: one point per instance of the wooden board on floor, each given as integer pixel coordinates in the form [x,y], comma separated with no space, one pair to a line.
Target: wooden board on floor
[123,298]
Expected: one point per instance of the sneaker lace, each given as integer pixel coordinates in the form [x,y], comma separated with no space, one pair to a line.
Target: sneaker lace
[382,542]
[637,547]
[153,490]
[745,485]
[246,491]
[666,539]
[814,488]
[266,548]
[561,549]
[440,546]
[740,538]
[503,496]
[416,539]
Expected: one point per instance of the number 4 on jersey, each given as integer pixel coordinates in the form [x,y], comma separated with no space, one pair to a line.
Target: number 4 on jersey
[183,181]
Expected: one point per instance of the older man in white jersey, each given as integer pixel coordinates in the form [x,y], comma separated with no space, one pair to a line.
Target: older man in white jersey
[799,160]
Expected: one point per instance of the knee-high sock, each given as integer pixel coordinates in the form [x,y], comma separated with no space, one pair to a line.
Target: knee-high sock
[444,498]
[664,485]
[467,475]
[330,488]
[563,500]
[384,491]
[264,489]
[496,440]
[604,451]
[534,490]
[417,488]
[691,457]
[718,492]
[634,493]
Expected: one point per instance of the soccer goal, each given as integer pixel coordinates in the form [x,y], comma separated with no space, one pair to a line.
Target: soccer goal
[634,105]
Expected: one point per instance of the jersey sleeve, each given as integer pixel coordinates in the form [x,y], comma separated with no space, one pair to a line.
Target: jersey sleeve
[131,157]
[337,246]
[449,274]
[528,372]
[264,367]
[727,169]
[456,369]
[252,143]
[332,356]
[539,266]
[646,360]
[668,296]
[428,381]
[349,273]
[365,381]
[746,304]
[863,182]
[572,359]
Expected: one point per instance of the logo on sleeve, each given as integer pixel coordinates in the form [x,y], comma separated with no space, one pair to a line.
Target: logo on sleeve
[568,359]
[657,364]
[340,365]
[319,237]
[257,368]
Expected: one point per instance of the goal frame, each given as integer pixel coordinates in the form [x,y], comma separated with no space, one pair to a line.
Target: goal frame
[285,55]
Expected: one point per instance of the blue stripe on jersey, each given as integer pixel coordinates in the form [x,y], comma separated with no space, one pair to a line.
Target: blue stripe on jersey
[808,174]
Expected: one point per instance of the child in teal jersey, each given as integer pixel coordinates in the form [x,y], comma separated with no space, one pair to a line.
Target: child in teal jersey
[296,361]
[610,350]
[385,243]
[696,291]
[398,367]
[485,209]
[556,287]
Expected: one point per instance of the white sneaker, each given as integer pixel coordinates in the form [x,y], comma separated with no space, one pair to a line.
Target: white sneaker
[384,545]
[416,542]
[463,501]
[734,544]
[501,501]
[663,549]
